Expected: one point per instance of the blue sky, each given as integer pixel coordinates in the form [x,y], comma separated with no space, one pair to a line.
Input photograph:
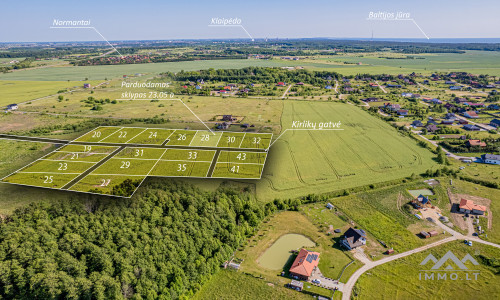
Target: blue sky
[30,20]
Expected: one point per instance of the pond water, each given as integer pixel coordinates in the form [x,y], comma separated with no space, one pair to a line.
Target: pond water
[276,257]
[416,193]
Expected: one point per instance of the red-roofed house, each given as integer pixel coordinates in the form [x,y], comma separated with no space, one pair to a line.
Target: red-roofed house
[304,264]
[472,143]
[468,206]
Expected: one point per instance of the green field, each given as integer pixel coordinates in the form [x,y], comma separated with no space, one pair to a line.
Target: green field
[98,134]
[181,169]
[142,153]
[237,170]
[256,141]
[206,139]
[21,91]
[76,156]
[400,279]
[231,140]
[63,167]
[125,166]
[189,155]
[87,149]
[152,136]
[241,156]
[123,135]
[102,184]
[366,151]
[53,181]
[181,138]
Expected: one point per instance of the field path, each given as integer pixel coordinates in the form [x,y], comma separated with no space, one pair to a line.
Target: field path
[286,91]
[382,88]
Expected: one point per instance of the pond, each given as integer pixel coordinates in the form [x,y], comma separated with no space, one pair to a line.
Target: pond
[425,192]
[276,256]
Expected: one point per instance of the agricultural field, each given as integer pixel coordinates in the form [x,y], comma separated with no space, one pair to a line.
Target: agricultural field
[399,279]
[366,151]
[12,91]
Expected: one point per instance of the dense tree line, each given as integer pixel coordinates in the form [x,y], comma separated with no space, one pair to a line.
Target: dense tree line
[256,75]
[163,244]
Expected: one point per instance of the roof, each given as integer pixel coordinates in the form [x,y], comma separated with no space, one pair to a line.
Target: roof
[491,156]
[471,113]
[305,262]
[469,205]
[476,143]
[354,237]
[423,199]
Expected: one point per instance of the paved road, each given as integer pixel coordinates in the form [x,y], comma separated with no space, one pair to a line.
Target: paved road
[347,288]
[448,153]
[286,91]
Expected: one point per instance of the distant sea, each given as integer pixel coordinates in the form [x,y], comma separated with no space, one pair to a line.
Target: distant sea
[423,40]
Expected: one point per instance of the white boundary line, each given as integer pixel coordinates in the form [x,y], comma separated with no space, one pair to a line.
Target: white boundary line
[242,140]
[21,172]
[136,136]
[142,181]
[100,141]
[176,99]
[76,161]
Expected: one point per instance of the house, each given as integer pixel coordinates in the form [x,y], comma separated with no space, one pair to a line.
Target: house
[371,99]
[12,107]
[470,127]
[460,100]
[281,84]
[329,205]
[471,114]
[421,201]
[491,159]
[495,123]
[436,101]
[304,264]
[455,87]
[463,122]
[403,112]
[417,123]
[228,118]
[296,285]
[431,128]
[222,125]
[354,238]
[447,122]
[406,94]
[450,115]
[475,143]
[86,85]
[469,207]
[389,251]
[396,86]
[299,83]
[493,107]
[328,87]
[393,107]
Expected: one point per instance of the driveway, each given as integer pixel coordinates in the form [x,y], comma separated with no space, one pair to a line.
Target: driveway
[326,282]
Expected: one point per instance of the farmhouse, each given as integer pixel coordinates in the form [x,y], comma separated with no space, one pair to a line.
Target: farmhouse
[471,114]
[491,159]
[304,264]
[475,143]
[354,238]
[468,207]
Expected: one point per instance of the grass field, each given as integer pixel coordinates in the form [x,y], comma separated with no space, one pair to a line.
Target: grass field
[400,279]
[76,156]
[47,180]
[237,170]
[181,137]
[366,151]
[101,184]
[189,155]
[13,91]
[227,284]
[123,135]
[49,166]
[125,166]
[245,157]
[98,134]
[144,153]
[231,140]
[151,136]
[181,169]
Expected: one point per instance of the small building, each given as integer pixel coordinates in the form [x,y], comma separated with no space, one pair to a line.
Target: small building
[403,112]
[86,85]
[433,233]
[424,234]
[421,201]
[469,207]
[417,123]
[389,251]
[329,206]
[228,118]
[431,128]
[495,123]
[491,159]
[304,264]
[296,285]
[354,238]
[281,84]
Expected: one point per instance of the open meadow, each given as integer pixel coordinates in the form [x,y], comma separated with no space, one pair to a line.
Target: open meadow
[399,279]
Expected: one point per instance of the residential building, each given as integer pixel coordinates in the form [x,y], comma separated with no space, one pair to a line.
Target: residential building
[491,159]
[475,143]
[354,238]
[304,264]
[469,207]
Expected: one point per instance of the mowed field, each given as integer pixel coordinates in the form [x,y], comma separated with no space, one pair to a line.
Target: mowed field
[366,151]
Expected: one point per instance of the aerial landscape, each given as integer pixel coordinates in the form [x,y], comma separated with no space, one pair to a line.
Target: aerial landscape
[283,150]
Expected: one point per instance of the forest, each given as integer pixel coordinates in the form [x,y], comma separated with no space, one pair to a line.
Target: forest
[162,244]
